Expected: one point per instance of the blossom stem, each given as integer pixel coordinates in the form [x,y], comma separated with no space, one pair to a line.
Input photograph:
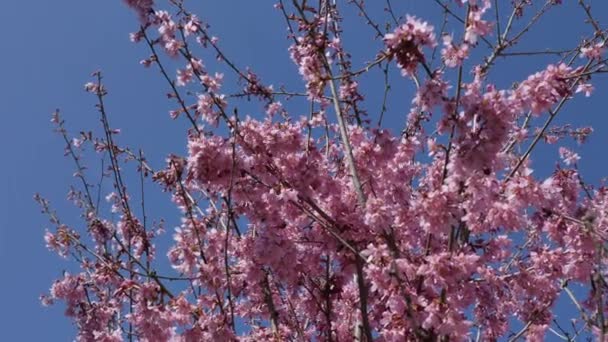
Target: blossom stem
[361,198]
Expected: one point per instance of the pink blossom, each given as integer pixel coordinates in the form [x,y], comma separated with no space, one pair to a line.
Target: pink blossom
[192,26]
[142,7]
[593,51]
[206,107]
[453,55]
[544,89]
[304,54]
[70,289]
[568,156]
[136,37]
[406,42]
[92,87]
[183,77]
[146,62]
[55,117]
[586,88]
[77,142]
[213,82]
[432,93]
[476,26]
[172,46]
[274,108]
[551,139]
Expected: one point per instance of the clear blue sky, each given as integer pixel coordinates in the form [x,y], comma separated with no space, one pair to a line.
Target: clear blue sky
[51,47]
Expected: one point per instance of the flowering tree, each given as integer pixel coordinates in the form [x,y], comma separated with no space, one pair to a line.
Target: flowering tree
[330,226]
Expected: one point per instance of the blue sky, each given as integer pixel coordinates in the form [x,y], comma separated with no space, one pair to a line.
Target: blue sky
[50,49]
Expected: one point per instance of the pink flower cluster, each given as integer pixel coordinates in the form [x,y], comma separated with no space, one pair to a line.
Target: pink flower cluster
[452,53]
[593,51]
[406,42]
[167,29]
[305,54]
[543,89]
[476,26]
[142,7]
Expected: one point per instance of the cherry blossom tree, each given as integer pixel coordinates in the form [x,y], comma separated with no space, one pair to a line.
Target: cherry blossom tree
[330,226]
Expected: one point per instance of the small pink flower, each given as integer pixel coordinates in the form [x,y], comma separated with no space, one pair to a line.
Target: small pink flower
[568,156]
[274,108]
[136,37]
[172,47]
[146,62]
[91,87]
[213,82]
[476,25]
[183,77]
[55,117]
[77,142]
[594,51]
[196,65]
[551,139]
[453,55]
[586,88]
[46,300]
[192,26]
